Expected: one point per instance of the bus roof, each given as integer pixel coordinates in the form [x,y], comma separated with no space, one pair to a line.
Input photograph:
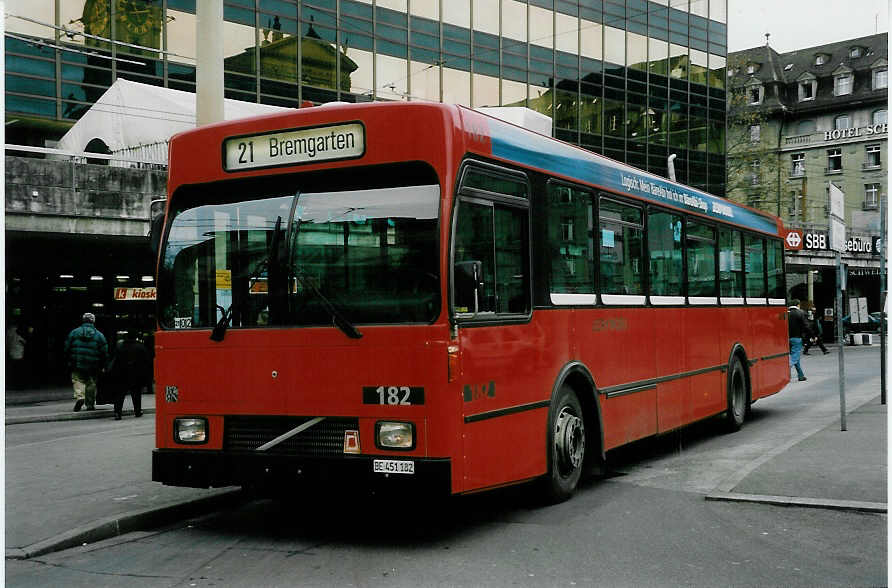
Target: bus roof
[512,143]
[484,134]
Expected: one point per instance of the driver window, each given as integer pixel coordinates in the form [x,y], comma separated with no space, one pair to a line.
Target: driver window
[491,248]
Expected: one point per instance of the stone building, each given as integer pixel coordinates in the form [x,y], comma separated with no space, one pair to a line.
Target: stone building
[799,121]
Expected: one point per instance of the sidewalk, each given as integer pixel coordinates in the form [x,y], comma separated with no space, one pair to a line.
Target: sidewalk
[57,403]
[91,483]
[842,470]
[107,488]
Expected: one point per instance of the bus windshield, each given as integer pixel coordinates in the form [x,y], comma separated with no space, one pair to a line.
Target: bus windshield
[366,256]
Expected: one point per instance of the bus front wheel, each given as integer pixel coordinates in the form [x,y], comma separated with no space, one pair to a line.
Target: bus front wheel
[737,396]
[566,446]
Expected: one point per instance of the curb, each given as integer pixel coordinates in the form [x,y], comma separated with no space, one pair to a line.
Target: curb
[128,523]
[71,416]
[850,505]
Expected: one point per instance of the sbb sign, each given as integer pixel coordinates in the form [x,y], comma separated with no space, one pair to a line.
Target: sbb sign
[793,240]
[819,241]
[815,241]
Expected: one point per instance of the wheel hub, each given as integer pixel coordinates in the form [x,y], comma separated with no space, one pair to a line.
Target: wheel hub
[569,440]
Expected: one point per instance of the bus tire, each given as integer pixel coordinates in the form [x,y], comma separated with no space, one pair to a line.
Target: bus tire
[566,446]
[737,396]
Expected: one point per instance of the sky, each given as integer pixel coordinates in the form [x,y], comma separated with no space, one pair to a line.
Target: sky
[798,24]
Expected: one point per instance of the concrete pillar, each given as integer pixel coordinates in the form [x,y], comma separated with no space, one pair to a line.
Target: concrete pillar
[209,62]
[810,280]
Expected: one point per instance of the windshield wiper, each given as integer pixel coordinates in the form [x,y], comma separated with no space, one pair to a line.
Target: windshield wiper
[219,331]
[337,317]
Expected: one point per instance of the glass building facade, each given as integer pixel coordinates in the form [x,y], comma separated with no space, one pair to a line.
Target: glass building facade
[635,80]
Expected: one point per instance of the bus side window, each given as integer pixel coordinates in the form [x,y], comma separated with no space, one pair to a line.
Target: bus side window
[570,231]
[474,248]
[491,241]
[775,268]
[622,248]
[731,263]
[665,245]
[755,267]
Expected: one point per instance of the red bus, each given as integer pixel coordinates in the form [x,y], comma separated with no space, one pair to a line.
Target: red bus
[420,295]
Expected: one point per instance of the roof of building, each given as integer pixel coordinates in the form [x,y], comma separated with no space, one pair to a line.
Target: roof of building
[135,121]
[788,69]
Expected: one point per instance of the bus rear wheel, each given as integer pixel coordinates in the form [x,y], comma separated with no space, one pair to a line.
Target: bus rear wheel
[566,446]
[737,396]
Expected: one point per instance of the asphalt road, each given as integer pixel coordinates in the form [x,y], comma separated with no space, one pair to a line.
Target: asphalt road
[645,524]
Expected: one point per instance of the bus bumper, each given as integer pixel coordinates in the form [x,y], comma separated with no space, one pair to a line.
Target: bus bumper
[214,469]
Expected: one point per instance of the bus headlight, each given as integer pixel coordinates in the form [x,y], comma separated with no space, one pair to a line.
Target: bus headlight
[391,435]
[190,430]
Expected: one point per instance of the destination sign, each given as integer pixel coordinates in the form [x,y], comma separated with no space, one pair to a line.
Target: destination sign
[295,146]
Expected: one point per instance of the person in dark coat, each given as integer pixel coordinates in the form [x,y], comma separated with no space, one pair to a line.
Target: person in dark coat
[87,352]
[798,326]
[132,371]
[817,332]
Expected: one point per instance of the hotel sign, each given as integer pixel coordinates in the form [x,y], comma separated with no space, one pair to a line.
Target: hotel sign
[850,133]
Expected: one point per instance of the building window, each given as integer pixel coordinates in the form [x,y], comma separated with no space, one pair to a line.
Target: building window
[807,90]
[842,84]
[855,52]
[807,126]
[798,165]
[873,156]
[755,176]
[834,160]
[755,94]
[879,117]
[755,133]
[566,229]
[871,195]
[794,205]
[841,122]
[751,68]
[880,79]
[820,59]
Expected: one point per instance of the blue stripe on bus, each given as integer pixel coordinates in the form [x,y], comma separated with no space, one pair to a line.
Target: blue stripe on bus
[530,149]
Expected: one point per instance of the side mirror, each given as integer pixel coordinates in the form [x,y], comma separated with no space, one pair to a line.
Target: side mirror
[467,287]
[156,228]
[156,225]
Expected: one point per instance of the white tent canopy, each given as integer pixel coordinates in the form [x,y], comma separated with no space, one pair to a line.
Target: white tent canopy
[135,121]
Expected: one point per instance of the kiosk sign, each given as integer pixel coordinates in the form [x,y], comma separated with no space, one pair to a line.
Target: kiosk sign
[130,294]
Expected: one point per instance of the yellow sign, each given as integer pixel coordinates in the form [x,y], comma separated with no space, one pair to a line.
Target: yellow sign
[224,279]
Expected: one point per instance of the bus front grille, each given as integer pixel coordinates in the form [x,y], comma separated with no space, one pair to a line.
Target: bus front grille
[324,439]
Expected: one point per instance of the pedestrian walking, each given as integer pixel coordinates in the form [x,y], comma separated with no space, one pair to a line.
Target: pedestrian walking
[798,328]
[817,332]
[132,371]
[16,342]
[86,352]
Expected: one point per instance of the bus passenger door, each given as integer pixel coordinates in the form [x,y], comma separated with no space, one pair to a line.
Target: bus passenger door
[503,433]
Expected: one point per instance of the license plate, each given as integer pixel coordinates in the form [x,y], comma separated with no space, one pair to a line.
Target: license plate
[393,466]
